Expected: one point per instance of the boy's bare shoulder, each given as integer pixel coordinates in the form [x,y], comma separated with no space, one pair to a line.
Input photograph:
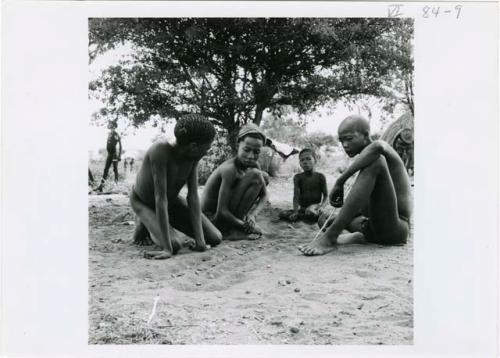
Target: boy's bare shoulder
[297,178]
[227,168]
[159,150]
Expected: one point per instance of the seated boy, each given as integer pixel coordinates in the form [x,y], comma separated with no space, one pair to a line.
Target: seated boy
[381,192]
[236,191]
[155,196]
[309,190]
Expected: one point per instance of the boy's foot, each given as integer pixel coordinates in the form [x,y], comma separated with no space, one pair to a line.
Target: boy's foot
[323,244]
[235,235]
[143,241]
[157,255]
[320,246]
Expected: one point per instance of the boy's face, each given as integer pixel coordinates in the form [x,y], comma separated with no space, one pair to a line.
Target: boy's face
[352,141]
[249,151]
[306,161]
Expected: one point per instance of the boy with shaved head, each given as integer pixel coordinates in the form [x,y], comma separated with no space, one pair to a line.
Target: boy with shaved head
[236,191]
[381,193]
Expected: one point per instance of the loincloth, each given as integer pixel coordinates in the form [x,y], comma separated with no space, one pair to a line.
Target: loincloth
[370,236]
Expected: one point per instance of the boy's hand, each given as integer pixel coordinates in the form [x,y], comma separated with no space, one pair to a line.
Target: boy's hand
[200,247]
[157,255]
[337,195]
[250,226]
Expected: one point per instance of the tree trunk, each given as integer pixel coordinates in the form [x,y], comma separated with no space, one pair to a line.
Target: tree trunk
[233,137]
[259,110]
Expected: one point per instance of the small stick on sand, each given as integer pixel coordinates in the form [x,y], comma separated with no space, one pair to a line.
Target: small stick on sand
[334,211]
[178,325]
[256,334]
[383,306]
[153,311]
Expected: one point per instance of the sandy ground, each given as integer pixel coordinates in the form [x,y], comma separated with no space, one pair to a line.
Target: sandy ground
[246,292]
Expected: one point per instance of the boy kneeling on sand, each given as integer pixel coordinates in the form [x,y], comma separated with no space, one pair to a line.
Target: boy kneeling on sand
[310,192]
[236,191]
[155,196]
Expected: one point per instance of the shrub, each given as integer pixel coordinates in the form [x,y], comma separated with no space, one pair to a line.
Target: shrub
[219,152]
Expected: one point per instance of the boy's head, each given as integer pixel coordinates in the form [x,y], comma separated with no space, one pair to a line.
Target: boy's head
[195,133]
[307,159]
[354,134]
[250,142]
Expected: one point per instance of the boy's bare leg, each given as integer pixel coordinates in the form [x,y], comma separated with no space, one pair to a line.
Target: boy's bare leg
[246,194]
[179,219]
[373,184]
[115,169]
[107,165]
[148,217]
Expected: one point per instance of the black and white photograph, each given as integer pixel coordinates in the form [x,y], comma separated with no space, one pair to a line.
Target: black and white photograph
[251,181]
[249,178]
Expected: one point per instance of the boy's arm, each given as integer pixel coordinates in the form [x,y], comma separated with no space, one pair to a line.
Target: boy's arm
[228,176]
[296,194]
[367,156]
[195,209]
[324,190]
[159,173]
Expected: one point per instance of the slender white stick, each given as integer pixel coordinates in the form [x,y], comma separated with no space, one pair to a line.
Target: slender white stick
[347,190]
[326,223]
[256,334]
[153,311]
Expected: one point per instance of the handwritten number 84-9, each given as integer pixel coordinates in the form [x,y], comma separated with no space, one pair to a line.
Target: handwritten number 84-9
[429,11]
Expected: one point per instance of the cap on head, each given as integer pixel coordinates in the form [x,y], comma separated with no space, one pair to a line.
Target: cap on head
[194,128]
[251,130]
[355,123]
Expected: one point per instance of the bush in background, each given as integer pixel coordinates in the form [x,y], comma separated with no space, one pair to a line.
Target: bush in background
[219,152]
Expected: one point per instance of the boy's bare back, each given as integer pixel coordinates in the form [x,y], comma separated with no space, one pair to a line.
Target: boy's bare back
[177,171]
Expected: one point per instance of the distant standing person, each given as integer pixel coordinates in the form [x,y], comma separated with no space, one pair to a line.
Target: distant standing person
[236,191]
[166,168]
[310,192]
[114,149]
[128,162]
[379,203]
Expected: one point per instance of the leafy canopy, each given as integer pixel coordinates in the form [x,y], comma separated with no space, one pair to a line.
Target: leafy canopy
[233,69]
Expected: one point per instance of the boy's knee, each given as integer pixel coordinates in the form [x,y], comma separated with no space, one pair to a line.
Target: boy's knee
[265,176]
[254,175]
[257,175]
[214,238]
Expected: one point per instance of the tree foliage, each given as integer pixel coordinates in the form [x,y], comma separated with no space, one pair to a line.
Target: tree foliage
[232,70]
